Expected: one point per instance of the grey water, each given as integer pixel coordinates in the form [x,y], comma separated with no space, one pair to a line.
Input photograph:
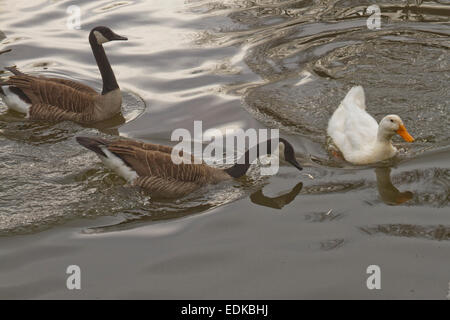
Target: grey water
[240,64]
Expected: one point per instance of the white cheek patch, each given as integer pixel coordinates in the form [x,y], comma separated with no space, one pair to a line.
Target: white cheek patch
[117,165]
[100,38]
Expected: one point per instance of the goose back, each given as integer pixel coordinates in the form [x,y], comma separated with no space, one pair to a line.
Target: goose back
[70,83]
[42,90]
[60,99]
[156,161]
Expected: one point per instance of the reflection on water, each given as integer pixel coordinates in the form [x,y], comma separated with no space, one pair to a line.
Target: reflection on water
[439,233]
[276,202]
[290,62]
[331,244]
[388,192]
[323,216]
[159,210]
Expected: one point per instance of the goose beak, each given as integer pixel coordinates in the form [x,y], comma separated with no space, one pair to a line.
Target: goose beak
[117,37]
[404,134]
[295,164]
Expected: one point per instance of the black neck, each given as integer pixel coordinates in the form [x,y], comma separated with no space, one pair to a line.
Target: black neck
[241,167]
[108,77]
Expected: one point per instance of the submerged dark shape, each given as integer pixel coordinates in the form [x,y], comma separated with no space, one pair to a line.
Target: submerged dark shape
[5,51]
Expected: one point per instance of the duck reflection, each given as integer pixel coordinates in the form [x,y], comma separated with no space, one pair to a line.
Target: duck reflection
[389,194]
[276,202]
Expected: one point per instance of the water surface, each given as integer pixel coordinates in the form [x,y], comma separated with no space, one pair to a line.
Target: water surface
[239,64]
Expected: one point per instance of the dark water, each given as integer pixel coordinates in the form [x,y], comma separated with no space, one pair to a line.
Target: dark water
[240,64]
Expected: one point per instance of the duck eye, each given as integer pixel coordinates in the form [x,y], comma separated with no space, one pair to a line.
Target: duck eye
[392,120]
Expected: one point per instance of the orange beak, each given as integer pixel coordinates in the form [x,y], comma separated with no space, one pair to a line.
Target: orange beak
[404,134]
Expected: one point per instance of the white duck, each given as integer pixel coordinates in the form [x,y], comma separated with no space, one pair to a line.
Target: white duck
[358,135]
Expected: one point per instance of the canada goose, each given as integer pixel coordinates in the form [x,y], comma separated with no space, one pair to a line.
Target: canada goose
[358,135]
[55,99]
[150,166]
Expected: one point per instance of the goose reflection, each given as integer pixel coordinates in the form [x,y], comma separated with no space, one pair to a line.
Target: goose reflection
[276,202]
[13,127]
[111,125]
[389,194]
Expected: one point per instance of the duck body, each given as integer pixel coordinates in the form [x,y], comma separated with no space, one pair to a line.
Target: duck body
[358,135]
[150,166]
[54,99]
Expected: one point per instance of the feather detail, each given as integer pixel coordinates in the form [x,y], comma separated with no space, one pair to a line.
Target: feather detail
[153,166]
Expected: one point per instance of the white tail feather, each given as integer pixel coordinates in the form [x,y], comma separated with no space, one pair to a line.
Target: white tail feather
[14,102]
[355,97]
[117,165]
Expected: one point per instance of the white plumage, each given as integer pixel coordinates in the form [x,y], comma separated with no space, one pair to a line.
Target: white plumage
[358,135]
[116,164]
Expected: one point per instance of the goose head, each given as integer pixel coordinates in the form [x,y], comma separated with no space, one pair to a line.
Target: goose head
[391,125]
[286,153]
[102,35]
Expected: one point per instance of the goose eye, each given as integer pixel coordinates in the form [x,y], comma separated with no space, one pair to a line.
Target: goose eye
[392,120]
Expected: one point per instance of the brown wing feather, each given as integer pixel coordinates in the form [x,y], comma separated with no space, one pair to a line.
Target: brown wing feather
[41,111]
[59,95]
[151,163]
[166,187]
[150,146]
[74,85]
